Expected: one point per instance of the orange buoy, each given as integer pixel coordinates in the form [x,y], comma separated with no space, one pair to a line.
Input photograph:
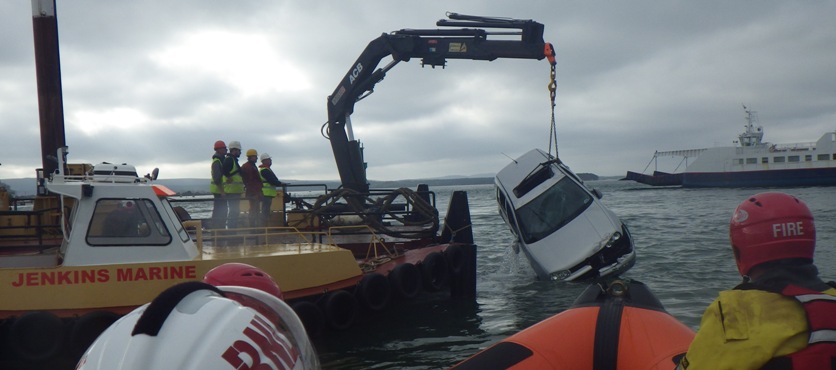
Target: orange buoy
[615,326]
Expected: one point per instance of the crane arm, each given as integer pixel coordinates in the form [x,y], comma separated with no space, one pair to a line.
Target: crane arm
[523,39]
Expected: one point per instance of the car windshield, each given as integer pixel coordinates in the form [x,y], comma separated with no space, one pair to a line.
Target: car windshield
[556,207]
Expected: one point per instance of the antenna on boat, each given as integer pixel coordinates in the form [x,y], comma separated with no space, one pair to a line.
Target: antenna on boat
[514,160]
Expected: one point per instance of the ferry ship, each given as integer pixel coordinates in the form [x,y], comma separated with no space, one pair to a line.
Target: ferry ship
[750,163]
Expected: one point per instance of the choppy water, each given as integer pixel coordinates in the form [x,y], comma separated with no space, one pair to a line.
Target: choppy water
[681,238]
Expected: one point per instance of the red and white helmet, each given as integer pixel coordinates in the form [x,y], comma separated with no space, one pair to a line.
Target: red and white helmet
[194,325]
[242,274]
[769,227]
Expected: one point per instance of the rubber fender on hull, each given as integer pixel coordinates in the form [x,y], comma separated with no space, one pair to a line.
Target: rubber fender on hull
[454,255]
[617,330]
[374,291]
[87,328]
[340,309]
[36,336]
[434,271]
[313,319]
[406,280]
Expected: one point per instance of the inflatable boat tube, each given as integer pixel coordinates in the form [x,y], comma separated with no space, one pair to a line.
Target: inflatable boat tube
[618,325]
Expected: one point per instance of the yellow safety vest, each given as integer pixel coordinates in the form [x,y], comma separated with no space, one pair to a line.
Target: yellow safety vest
[213,187]
[267,189]
[236,186]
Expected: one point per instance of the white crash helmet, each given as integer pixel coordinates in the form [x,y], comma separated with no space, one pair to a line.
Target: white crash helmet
[195,325]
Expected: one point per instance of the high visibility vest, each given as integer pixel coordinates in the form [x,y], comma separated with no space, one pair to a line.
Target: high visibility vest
[267,189]
[213,187]
[820,352]
[236,186]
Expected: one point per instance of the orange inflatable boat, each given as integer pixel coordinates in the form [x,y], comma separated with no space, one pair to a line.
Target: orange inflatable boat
[616,325]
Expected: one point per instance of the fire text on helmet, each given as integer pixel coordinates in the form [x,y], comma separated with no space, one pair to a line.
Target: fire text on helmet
[787,229]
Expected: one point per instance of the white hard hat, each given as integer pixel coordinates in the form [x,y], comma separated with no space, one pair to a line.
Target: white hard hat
[195,325]
[234,145]
[265,156]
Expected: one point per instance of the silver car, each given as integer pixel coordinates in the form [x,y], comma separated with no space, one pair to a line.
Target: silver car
[560,224]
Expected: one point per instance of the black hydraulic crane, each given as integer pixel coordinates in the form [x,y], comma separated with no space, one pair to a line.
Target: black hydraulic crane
[521,39]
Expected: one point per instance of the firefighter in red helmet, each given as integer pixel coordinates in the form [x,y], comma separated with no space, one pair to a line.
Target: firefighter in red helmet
[783,316]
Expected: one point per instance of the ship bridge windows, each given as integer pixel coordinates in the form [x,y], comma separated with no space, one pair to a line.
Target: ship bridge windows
[127,222]
[794,158]
[823,157]
[779,159]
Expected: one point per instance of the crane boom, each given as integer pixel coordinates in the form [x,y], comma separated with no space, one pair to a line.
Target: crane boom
[434,47]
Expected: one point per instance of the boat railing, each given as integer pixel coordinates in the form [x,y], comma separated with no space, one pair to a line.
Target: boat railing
[30,228]
[795,147]
[394,210]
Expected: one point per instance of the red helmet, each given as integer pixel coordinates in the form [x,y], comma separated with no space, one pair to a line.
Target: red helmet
[242,274]
[770,227]
[220,144]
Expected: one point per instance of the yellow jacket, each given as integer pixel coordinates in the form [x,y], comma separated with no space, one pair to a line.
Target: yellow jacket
[744,329]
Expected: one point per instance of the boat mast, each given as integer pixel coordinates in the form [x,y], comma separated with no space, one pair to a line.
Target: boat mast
[752,136]
[48,71]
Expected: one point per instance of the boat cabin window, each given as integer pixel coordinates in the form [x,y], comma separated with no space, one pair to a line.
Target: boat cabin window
[551,210]
[751,160]
[764,160]
[127,222]
[808,158]
[793,158]
[178,226]
[822,157]
[779,159]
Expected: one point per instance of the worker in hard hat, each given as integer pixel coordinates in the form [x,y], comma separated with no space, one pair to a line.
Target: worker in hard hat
[252,186]
[216,187]
[269,183]
[233,184]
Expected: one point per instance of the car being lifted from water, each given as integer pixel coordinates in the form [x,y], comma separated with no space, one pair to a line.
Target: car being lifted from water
[561,225]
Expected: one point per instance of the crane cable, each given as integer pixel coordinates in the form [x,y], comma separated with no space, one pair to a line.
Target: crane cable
[549,52]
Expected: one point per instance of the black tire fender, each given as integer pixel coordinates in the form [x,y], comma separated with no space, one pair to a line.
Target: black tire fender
[374,291]
[341,309]
[37,336]
[454,255]
[434,271]
[313,319]
[405,280]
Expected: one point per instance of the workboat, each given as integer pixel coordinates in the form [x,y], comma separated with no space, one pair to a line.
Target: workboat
[561,225]
[617,324]
[104,241]
[100,240]
[752,162]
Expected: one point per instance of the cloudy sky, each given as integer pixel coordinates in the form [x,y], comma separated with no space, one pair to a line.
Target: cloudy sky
[155,83]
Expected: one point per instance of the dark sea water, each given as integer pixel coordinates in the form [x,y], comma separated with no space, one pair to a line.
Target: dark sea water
[681,238]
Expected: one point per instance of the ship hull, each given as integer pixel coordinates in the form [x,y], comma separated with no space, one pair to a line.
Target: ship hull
[770,178]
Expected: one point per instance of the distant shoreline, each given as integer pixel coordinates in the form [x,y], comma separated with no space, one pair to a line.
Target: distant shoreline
[26,186]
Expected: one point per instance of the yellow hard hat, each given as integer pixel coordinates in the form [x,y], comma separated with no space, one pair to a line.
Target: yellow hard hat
[251,152]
